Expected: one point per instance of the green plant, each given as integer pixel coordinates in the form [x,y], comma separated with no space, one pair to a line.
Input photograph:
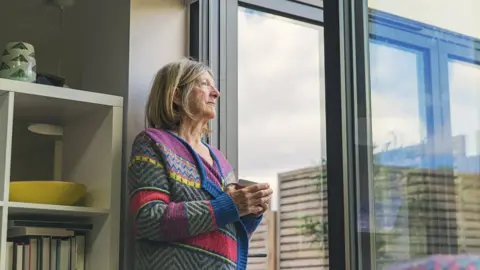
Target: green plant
[316,226]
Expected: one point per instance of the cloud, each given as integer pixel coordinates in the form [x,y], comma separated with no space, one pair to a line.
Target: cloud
[281,85]
[281,96]
[395,91]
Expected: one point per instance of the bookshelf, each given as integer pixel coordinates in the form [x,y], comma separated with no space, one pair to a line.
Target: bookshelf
[92,152]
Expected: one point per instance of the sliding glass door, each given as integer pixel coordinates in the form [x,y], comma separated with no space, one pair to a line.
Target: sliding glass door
[422,89]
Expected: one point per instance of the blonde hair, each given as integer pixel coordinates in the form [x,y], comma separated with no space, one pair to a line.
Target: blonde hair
[161,110]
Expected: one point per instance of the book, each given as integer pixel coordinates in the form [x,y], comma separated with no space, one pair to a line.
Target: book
[33,248]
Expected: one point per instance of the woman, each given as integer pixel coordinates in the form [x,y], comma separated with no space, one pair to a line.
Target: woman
[189,212]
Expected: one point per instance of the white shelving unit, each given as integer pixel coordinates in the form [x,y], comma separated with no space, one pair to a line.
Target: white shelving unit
[92,155]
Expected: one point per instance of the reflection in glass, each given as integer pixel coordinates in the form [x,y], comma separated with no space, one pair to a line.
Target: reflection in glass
[464,91]
[281,141]
[425,130]
[397,122]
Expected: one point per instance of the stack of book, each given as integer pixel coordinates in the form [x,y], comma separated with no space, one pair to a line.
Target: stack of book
[46,245]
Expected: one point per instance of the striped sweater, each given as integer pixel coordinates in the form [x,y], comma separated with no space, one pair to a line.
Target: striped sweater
[183,218]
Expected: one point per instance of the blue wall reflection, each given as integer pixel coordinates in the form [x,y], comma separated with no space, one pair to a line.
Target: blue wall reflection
[425,103]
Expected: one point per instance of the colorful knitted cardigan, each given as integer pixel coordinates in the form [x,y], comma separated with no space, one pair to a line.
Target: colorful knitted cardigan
[183,218]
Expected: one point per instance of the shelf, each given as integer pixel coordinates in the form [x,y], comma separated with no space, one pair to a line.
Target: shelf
[55,105]
[48,209]
[59,93]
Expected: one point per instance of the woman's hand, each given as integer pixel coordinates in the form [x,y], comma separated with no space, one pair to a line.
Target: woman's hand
[265,207]
[252,199]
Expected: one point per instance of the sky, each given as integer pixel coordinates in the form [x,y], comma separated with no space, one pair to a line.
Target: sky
[281,95]
[396,113]
[465,103]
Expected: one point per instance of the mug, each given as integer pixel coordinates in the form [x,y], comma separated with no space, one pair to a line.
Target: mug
[17,62]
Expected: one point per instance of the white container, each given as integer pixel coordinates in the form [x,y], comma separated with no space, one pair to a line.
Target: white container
[17,62]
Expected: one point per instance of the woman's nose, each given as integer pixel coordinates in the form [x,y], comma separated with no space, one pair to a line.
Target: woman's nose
[215,92]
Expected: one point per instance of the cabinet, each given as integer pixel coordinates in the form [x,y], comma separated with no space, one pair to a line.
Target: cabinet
[92,140]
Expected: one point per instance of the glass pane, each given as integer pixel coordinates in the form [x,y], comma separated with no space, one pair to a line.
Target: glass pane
[424,197]
[464,82]
[281,136]
[398,123]
[397,120]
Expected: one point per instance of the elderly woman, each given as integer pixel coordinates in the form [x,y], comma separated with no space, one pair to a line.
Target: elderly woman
[190,214]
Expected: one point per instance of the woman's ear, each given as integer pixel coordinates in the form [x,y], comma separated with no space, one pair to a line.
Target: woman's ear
[177,98]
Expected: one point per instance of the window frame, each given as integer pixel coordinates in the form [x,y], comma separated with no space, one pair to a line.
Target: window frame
[202,17]
[346,84]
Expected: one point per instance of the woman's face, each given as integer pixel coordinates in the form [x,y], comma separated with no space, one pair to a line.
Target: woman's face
[204,97]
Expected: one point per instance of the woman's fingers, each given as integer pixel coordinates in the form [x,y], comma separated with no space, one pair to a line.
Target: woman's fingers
[256,188]
[262,209]
[254,209]
[262,193]
[252,199]
[262,200]
[265,207]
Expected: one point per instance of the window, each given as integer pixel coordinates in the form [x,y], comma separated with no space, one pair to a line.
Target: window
[424,105]
[281,137]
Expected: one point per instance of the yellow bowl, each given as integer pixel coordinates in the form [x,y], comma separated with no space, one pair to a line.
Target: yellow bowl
[47,192]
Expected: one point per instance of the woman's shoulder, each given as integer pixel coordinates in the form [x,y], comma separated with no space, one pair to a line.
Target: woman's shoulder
[158,135]
[153,136]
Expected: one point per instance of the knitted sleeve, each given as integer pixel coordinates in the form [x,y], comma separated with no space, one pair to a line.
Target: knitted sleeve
[251,223]
[159,218]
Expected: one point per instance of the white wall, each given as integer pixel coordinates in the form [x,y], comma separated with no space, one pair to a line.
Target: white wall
[41,29]
[90,40]
[457,16]
[158,35]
